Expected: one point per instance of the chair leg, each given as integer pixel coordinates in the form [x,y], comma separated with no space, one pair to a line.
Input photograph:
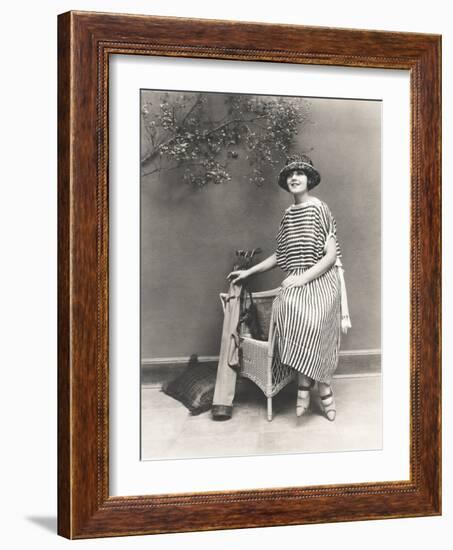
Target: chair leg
[269,409]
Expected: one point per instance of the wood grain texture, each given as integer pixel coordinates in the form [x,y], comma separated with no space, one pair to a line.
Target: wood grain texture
[85,42]
[64,367]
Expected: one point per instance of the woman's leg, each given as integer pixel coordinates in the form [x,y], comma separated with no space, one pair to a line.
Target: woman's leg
[327,400]
[304,384]
[304,380]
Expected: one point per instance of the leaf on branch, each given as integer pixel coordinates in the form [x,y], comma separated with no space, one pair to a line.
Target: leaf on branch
[180,129]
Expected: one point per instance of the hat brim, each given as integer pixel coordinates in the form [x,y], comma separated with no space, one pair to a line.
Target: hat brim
[313,175]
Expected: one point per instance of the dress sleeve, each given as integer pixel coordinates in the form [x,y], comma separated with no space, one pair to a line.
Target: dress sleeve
[280,250]
[329,226]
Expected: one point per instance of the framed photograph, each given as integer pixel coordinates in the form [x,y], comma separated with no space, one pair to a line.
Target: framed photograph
[249,275]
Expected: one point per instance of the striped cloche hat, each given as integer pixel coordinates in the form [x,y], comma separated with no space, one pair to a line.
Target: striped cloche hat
[299,162]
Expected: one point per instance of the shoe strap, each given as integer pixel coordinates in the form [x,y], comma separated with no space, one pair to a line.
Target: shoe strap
[326,396]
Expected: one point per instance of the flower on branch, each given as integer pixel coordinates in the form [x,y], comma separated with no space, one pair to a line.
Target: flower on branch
[204,134]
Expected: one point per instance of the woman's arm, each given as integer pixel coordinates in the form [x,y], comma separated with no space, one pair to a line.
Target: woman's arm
[323,265]
[267,264]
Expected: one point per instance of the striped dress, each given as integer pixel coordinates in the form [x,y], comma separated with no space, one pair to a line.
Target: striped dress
[307,318]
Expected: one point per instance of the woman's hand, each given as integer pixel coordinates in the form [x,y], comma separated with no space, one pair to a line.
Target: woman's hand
[236,277]
[294,280]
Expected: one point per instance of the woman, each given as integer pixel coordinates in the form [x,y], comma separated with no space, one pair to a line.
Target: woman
[311,306]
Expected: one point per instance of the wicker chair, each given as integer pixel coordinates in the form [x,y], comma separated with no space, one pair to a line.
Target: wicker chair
[258,359]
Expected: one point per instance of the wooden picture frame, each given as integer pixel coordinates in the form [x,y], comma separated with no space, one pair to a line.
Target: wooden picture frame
[85,41]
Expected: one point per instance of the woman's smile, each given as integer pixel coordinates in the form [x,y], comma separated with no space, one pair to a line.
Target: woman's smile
[295,183]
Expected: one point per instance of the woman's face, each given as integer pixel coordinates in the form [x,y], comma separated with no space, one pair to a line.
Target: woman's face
[297,181]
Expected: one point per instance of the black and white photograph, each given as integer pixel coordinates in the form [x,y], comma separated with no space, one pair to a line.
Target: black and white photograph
[260,279]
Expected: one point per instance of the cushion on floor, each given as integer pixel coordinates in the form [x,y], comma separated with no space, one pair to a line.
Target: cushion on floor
[194,387]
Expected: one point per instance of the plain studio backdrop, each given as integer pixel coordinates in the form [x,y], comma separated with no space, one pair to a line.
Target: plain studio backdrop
[188,236]
[29,270]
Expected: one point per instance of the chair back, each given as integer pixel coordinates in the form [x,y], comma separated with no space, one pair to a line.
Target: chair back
[263,308]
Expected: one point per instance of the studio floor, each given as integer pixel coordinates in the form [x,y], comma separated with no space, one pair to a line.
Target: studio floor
[170,431]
